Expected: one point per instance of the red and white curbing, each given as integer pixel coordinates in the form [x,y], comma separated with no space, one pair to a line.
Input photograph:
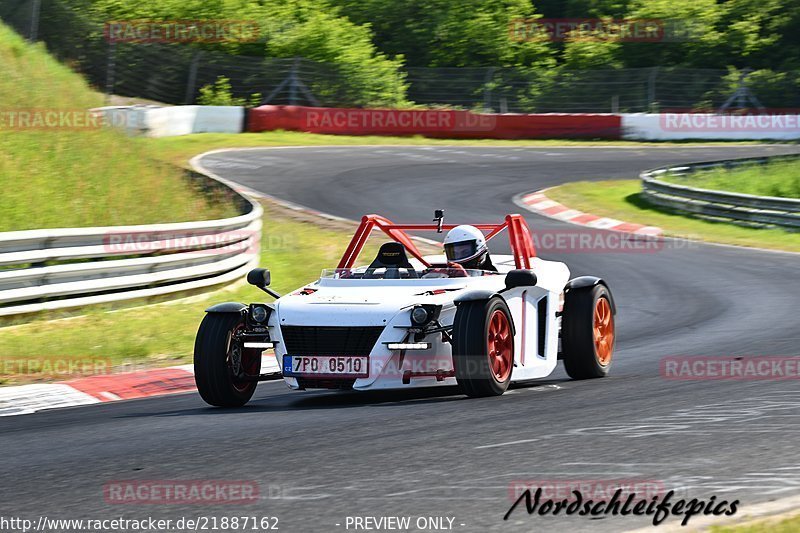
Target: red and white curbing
[102,388]
[539,203]
[26,399]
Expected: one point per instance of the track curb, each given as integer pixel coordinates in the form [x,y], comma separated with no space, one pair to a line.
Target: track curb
[538,202]
[27,399]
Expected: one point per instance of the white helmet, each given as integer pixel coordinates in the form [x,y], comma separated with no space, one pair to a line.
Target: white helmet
[465,244]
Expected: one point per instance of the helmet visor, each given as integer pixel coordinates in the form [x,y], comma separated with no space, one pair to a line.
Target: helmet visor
[460,251]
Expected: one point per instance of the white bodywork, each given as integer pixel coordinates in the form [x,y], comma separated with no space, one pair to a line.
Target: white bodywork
[387,302]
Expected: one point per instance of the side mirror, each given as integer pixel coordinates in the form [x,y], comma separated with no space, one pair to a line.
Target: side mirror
[520,278]
[260,277]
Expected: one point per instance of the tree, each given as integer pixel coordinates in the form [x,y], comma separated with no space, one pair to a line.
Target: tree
[311,29]
[450,33]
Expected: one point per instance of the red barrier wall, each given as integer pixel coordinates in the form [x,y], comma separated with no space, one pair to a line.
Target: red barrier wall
[432,123]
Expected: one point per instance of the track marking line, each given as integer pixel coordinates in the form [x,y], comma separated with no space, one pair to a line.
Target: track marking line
[510,443]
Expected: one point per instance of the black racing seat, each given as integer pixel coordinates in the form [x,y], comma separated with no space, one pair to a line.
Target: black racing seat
[391,256]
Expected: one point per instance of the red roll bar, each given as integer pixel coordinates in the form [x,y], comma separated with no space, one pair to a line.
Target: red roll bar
[519,236]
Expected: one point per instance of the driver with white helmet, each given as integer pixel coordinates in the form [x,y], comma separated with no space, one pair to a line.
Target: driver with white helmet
[466,245]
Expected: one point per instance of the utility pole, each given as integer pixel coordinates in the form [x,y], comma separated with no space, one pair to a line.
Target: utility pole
[294,83]
[742,94]
[651,90]
[487,89]
[112,60]
[36,8]
[192,81]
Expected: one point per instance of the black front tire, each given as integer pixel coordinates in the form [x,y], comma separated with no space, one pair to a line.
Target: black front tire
[471,338]
[212,371]
[583,358]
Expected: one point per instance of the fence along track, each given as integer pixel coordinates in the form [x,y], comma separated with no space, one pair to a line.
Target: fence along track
[742,208]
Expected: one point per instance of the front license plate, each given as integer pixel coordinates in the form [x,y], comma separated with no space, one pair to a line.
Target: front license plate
[326,365]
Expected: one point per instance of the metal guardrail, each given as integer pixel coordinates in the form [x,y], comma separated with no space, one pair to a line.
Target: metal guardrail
[741,208]
[67,267]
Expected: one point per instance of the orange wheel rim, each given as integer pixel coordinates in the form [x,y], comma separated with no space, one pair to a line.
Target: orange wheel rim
[500,346]
[603,329]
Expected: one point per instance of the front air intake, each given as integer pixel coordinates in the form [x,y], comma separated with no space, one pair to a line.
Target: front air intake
[325,340]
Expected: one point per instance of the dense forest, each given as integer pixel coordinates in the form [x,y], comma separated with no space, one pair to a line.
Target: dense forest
[468,33]
[380,47]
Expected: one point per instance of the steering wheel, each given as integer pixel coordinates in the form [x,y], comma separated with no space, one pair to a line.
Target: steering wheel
[460,271]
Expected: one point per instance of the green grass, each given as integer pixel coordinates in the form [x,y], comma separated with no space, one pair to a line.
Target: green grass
[789,525]
[61,177]
[780,178]
[621,199]
[163,334]
[180,149]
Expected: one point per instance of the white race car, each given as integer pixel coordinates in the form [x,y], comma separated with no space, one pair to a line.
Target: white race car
[407,320]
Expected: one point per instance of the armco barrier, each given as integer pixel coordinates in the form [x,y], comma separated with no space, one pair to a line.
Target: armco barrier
[155,121]
[707,126]
[431,123]
[39,268]
[742,208]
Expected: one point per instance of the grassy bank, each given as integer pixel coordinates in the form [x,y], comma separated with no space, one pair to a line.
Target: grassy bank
[621,199]
[68,173]
[294,246]
[788,525]
[780,178]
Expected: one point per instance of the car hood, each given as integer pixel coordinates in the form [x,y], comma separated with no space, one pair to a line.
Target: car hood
[362,306]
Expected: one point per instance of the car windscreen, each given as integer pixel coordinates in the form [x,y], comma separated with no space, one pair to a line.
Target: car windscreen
[401,273]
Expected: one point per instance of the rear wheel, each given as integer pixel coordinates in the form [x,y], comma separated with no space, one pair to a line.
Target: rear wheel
[483,347]
[588,334]
[218,361]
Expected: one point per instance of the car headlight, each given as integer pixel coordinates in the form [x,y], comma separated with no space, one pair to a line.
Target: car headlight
[259,313]
[419,316]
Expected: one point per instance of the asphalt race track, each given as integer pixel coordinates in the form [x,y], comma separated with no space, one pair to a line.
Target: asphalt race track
[322,456]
